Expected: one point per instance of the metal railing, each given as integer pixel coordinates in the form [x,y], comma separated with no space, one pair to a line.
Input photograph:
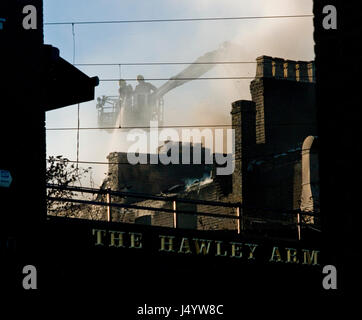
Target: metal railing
[237,208]
[172,199]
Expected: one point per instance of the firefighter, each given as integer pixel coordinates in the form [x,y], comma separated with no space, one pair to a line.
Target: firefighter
[143,99]
[144,87]
[125,92]
[101,102]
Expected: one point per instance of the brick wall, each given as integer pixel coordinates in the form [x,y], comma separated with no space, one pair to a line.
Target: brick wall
[150,178]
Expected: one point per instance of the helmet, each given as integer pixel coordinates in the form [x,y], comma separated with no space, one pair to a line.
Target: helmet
[140,78]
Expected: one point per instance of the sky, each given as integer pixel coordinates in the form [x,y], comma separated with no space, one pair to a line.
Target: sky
[200,102]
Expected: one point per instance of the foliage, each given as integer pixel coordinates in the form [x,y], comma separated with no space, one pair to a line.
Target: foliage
[61,172]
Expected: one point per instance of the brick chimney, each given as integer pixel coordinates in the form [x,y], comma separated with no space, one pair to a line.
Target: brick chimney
[243,122]
[283,91]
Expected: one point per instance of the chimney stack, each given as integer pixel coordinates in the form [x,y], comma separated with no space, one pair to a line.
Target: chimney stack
[244,123]
[277,68]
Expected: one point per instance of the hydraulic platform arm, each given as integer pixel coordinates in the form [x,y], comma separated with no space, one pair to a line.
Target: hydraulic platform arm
[195,70]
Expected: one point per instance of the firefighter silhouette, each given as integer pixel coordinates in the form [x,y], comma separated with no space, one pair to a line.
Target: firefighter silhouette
[144,99]
[125,92]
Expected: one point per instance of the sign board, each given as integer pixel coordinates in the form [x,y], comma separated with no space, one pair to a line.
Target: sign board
[5,178]
[130,241]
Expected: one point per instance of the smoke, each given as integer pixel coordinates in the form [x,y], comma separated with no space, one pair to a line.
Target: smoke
[209,101]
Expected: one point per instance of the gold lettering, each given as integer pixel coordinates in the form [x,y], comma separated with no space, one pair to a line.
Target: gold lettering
[310,258]
[203,248]
[116,239]
[168,243]
[99,233]
[236,250]
[218,249]
[185,244]
[276,257]
[252,248]
[136,240]
[292,255]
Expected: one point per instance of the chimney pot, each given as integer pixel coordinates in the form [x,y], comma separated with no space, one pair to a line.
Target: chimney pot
[264,67]
[290,70]
[311,71]
[278,68]
[302,71]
